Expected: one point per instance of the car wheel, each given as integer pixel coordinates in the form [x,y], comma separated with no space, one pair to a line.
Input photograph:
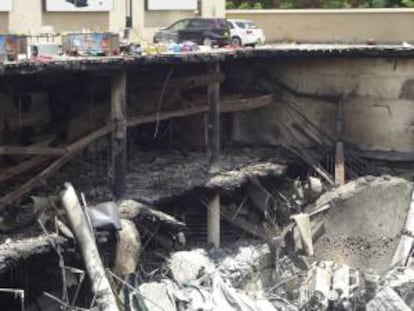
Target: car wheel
[236,41]
[207,41]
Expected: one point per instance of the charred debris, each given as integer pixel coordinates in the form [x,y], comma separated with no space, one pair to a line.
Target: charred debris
[124,188]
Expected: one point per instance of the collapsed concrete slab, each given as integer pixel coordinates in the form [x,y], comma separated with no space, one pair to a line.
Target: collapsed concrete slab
[364,225]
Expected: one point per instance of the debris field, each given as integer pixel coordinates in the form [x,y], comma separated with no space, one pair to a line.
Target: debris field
[128,184]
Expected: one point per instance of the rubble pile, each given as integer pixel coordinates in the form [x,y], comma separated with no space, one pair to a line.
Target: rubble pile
[348,250]
[226,279]
[362,226]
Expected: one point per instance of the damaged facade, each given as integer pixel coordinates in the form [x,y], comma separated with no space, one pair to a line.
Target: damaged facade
[267,179]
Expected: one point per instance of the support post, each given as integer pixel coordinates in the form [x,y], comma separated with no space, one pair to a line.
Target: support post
[213,93]
[119,134]
[213,221]
[339,152]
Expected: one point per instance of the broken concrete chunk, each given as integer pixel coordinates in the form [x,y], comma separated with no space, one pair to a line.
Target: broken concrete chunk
[188,266]
[387,300]
[127,249]
[158,296]
[315,185]
[304,227]
[365,222]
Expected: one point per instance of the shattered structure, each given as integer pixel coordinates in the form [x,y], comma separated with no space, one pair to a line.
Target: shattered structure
[278,178]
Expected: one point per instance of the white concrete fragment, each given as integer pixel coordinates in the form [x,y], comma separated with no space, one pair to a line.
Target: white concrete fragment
[127,249]
[305,231]
[186,266]
[158,296]
[315,185]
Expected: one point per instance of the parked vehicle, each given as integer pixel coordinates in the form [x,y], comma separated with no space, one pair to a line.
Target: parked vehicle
[203,31]
[245,33]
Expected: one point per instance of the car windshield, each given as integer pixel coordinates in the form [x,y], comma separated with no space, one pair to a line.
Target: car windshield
[180,25]
[246,25]
[222,23]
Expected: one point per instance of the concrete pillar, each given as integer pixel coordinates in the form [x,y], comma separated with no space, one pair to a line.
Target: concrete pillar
[213,147]
[119,134]
[339,152]
[213,221]
[339,164]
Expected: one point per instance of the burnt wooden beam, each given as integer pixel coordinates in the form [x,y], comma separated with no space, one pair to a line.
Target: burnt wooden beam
[41,178]
[182,83]
[214,132]
[119,135]
[230,105]
[21,168]
[33,150]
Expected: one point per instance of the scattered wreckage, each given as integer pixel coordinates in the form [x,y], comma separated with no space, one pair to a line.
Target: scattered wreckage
[303,260]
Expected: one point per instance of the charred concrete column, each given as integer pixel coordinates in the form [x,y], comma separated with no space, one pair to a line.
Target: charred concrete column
[339,153]
[213,93]
[213,220]
[119,133]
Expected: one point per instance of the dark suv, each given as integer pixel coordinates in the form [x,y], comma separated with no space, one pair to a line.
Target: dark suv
[205,31]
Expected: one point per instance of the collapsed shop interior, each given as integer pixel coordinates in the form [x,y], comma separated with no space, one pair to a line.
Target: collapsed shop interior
[307,159]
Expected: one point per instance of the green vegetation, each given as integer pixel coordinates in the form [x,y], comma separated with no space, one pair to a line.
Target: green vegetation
[327,4]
